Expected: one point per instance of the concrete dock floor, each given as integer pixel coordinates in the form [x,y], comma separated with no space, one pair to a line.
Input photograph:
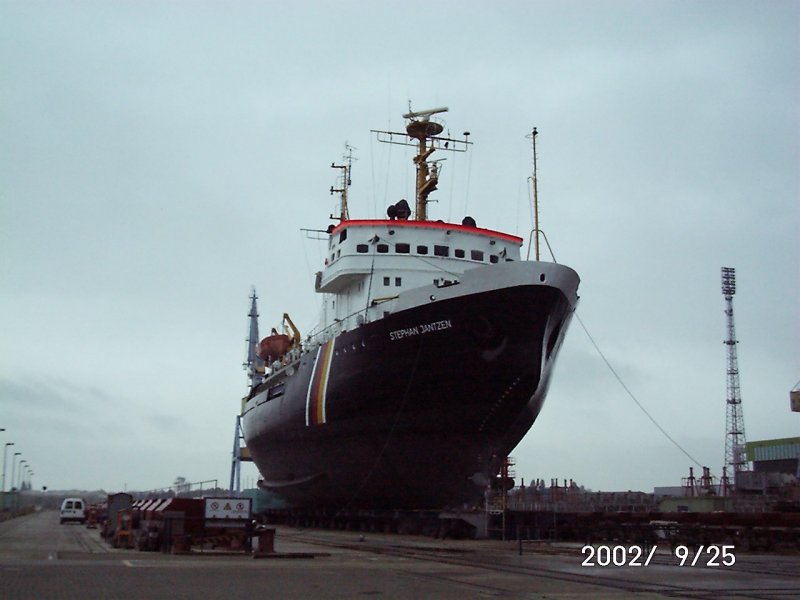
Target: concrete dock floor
[40,560]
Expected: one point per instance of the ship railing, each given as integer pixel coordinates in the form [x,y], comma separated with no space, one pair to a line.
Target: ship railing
[329,332]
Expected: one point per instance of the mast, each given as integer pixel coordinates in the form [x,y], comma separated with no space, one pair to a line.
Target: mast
[254,365]
[533,135]
[420,127]
[735,439]
[426,132]
[344,183]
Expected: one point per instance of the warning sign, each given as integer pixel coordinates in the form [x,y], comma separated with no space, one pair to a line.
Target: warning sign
[228,508]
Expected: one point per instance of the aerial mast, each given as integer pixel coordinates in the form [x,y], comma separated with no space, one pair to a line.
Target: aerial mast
[735,460]
[534,181]
[254,364]
[420,127]
[344,183]
[426,133]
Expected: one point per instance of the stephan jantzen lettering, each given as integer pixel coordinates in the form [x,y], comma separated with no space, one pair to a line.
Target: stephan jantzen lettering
[422,329]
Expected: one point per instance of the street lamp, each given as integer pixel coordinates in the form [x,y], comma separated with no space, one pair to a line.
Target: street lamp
[5,449]
[19,475]
[14,467]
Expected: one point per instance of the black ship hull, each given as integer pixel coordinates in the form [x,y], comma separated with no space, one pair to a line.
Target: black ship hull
[415,410]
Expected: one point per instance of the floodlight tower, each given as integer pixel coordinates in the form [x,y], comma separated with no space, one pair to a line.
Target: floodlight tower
[735,458]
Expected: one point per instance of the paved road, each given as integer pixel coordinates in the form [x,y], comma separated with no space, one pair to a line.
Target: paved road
[40,537]
[42,560]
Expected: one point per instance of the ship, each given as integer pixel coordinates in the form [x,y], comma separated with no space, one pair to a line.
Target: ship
[432,359]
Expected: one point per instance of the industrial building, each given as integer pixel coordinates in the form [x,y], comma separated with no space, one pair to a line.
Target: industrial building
[776,467]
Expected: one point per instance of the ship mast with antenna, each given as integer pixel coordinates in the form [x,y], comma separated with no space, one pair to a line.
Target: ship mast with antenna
[425,131]
[254,364]
[534,182]
[344,183]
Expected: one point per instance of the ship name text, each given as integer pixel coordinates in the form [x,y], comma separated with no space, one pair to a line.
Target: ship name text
[399,334]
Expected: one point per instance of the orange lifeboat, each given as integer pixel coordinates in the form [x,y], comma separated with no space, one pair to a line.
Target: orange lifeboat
[273,348]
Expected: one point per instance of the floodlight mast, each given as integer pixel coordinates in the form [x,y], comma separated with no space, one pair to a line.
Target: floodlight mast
[734,419]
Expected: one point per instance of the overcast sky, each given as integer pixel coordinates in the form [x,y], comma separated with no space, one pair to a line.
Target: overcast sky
[159,158]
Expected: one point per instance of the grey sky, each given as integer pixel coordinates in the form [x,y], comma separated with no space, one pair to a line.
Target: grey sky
[159,158]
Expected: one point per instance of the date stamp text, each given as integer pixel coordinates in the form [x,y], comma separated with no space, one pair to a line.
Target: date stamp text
[638,556]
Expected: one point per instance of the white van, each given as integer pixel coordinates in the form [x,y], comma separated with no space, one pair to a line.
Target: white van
[73,509]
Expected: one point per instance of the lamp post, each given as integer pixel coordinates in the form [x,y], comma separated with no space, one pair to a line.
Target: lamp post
[5,461]
[14,467]
[20,474]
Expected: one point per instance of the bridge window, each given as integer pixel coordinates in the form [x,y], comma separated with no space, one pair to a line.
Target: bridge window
[362,248]
[402,248]
[422,249]
[476,255]
[343,235]
[493,258]
[387,281]
[398,281]
[441,250]
[459,253]
[383,248]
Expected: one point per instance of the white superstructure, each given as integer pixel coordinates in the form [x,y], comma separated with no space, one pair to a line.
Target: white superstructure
[370,263]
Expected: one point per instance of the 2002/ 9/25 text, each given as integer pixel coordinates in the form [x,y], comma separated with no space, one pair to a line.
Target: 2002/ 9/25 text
[636,556]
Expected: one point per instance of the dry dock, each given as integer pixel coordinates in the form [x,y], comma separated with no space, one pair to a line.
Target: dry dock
[40,559]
